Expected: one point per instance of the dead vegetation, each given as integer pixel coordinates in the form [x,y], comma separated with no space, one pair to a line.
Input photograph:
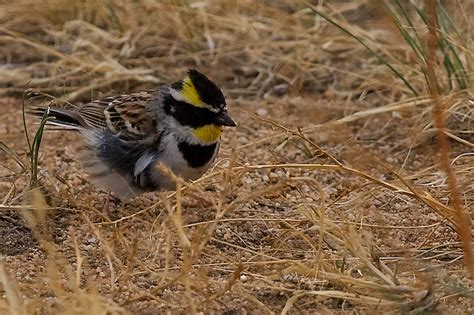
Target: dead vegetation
[328,197]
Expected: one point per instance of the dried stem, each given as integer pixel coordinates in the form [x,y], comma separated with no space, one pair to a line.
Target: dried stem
[462,218]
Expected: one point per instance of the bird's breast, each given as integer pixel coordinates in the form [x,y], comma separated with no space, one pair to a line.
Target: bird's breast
[189,161]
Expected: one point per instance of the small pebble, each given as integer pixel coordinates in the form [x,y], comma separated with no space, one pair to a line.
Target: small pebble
[262,112]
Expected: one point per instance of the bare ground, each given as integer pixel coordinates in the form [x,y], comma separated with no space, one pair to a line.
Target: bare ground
[327,197]
[263,237]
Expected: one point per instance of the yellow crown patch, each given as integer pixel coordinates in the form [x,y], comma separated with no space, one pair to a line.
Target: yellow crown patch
[190,94]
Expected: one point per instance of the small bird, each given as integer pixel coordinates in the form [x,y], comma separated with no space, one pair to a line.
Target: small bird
[128,136]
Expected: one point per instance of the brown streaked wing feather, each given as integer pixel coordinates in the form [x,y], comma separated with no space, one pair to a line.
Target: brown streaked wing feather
[93,115]
[126,115]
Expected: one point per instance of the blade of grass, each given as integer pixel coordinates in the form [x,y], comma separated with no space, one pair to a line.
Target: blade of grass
[13,155]
[463,220]
[11,291]
[34,153]
[442,42]
[457,66]
[34,145]
[411,40]
[362,42]
[23,112]
[448,23]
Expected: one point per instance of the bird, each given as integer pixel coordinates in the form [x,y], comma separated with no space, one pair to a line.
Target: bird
[127,137]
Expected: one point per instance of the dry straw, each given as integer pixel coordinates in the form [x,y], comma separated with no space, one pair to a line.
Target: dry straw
[324,231]
[463,219]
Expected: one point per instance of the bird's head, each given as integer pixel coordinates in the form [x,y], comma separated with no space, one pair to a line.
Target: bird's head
[200,104]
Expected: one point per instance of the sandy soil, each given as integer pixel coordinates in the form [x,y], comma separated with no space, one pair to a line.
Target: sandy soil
[262,237]
[327,198]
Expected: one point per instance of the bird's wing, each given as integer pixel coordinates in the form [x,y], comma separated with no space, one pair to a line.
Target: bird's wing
[130,117]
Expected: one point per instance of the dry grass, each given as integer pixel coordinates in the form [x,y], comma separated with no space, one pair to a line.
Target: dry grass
[328,197]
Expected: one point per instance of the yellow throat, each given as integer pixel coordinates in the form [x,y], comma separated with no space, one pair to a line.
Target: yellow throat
[208,133]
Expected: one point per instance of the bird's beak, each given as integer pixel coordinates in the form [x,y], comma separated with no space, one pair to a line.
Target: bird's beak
[223,119]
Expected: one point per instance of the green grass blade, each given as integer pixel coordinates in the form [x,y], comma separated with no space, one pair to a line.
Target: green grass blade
[23,112]
[411,40]
[448,27]
[453,67]
[449,71]
[421,14]
[361,41]
[36,146]
[446,20]
[458,67]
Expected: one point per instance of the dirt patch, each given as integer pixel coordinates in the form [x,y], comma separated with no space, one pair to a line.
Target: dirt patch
[15,237]
[326,198]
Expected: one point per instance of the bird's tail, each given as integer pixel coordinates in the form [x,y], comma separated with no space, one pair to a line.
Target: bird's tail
[63,118]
